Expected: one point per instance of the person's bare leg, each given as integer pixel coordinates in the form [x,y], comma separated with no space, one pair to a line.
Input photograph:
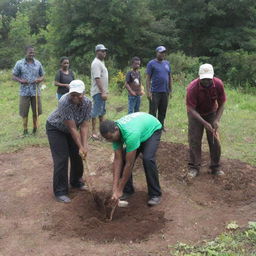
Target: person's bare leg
[93,125]
[25,125]
[35,124]
[94,133]
[101,119]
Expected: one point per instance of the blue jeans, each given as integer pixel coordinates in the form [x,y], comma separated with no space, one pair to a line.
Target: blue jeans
[99,106]
[59,95]
[133,104]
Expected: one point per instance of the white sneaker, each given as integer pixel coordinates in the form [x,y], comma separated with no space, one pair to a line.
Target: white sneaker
[193,173]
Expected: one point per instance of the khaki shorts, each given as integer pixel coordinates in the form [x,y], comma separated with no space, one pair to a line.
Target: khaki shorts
[26,101]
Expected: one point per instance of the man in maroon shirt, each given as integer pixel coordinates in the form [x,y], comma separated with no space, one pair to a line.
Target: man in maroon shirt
[205,104]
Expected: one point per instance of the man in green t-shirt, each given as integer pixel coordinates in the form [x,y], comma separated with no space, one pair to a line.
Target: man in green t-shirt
[141,133]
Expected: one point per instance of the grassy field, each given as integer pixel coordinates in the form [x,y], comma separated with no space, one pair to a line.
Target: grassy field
[237,131]
[231,243]
[237,137]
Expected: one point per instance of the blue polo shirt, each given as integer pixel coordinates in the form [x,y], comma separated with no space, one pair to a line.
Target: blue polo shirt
[159,73]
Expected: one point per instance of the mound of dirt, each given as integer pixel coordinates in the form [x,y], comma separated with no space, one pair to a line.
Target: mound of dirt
[32,223]
[237,186]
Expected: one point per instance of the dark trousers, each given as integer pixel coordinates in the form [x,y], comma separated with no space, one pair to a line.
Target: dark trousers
[195,134]
[148,150]
[158,105]
[63,147]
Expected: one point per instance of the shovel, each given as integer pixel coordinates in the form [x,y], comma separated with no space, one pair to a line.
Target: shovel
[104,203]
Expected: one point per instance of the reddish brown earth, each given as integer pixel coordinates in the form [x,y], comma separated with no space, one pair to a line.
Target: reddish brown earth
[32,223]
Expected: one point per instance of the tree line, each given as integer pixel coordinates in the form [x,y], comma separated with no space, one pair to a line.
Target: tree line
[222,32]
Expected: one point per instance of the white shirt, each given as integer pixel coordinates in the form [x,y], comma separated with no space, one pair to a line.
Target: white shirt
[98,70]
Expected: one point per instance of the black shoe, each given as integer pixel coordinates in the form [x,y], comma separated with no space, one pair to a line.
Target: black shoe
[125,196]
[25,132]
[81,186]
[155,200]
[63,199]
[34,131]
[217,172]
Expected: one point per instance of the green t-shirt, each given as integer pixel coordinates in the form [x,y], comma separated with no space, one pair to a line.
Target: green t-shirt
[135,129]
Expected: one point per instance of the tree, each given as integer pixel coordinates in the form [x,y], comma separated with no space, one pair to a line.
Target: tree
[19,35]
[127,28]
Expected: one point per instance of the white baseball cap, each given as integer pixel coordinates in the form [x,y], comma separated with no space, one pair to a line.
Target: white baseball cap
[206,71]
[76,86]
[160,49]
[100,47]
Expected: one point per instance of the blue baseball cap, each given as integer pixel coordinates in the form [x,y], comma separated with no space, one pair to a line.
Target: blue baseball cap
[160,49]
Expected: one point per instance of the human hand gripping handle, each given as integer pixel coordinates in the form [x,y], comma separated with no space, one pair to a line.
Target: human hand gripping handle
[104,96]
[83,152]
[149,95]
[208,127]
[117,193]
[23,81]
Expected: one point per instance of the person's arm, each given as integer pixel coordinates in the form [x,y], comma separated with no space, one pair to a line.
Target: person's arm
[99,84]
[18,79]
[76,136]
[127,85]
[40,77]
[130,89]
[196,115]
[219,113]
[221,102]
[149,94]
[170,84]
[119,184]
[16,74]
[117,167]
[58,80]
[96,73]
[60,84]
[39,80]
[84,131]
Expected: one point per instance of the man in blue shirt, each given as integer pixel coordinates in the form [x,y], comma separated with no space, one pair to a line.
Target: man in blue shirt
[29,73]
[159,84]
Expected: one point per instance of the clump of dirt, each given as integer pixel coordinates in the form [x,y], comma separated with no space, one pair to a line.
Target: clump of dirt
[134,223]
[238,185]
[101,195]
[31,219]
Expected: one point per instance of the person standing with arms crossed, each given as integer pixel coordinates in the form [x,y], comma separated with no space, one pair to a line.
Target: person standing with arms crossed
[29,73]
[205,105]
[159,84]
[99,87]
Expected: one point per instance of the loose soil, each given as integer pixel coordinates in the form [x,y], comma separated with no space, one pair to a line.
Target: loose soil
[32,223]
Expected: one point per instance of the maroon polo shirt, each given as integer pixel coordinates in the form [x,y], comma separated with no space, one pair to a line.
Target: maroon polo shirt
[205,100]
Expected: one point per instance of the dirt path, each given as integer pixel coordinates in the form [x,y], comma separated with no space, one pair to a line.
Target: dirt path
[32,223]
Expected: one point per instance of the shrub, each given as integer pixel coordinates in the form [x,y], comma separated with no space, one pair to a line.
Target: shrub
[237,67]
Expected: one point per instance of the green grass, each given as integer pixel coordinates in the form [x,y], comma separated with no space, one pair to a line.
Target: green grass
[230,243]
[237,131]
[237,126]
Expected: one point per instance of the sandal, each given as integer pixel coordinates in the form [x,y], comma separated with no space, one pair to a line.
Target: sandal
[95,137]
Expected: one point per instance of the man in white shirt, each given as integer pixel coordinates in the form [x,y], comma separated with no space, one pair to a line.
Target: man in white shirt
[99,87]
